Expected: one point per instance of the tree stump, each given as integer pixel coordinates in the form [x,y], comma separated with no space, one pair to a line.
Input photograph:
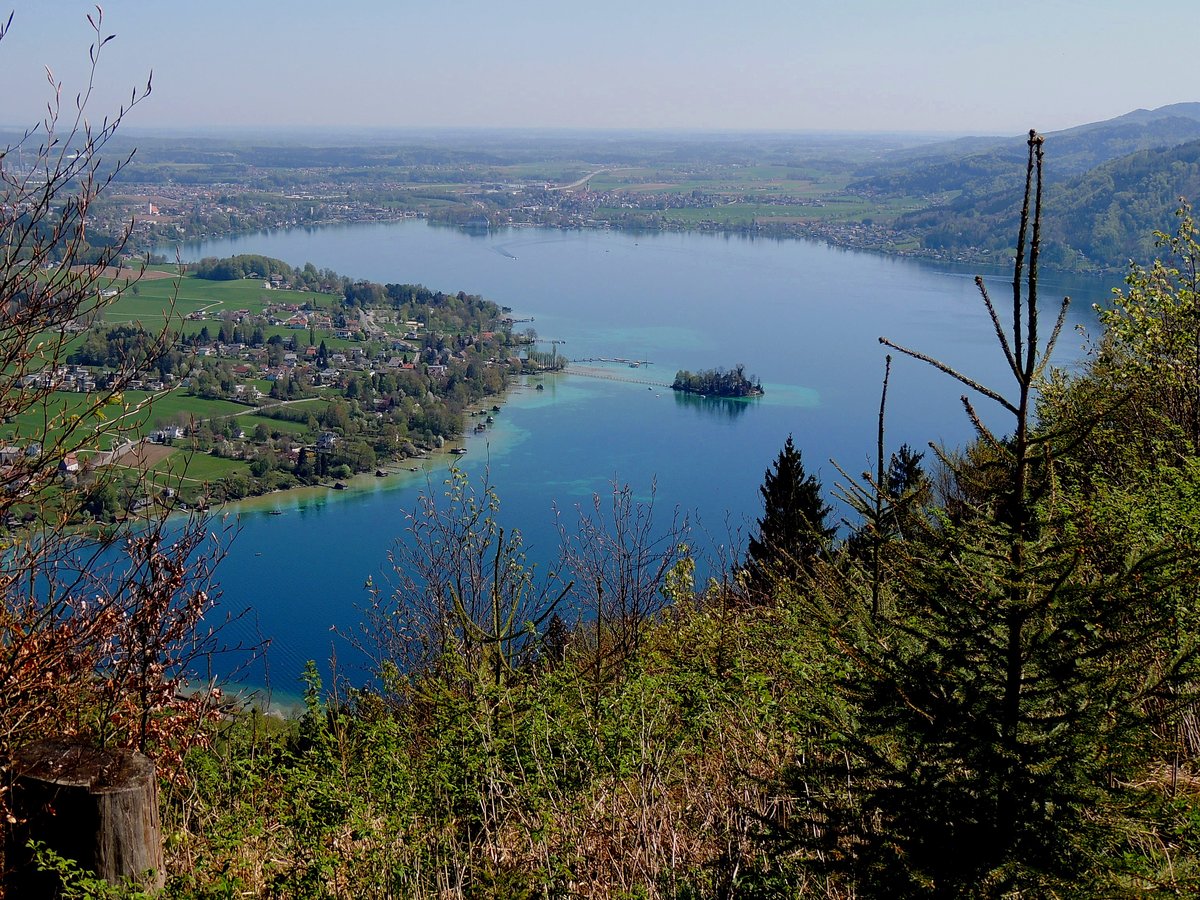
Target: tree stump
[97,807]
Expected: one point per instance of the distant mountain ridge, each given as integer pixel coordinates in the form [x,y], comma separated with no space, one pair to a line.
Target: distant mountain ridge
[1186,110]
[1075,150]
[1109,186]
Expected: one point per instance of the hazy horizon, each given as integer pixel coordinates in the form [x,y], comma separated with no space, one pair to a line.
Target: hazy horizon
[861,67]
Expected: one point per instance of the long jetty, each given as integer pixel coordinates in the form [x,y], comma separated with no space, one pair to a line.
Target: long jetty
[610,374]
[616,359]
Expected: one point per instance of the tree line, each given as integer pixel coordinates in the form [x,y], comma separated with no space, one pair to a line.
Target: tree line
[718,382]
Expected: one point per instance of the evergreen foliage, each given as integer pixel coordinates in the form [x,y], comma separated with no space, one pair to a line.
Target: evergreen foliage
[718,382]
[792,532]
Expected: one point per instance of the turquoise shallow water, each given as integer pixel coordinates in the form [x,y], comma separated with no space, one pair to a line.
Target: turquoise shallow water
[804,317]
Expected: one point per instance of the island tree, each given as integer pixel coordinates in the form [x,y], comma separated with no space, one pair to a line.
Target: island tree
[718,382]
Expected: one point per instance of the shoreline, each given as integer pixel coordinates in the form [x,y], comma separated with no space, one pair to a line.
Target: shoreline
[973,257]
[400,474]
[295,498]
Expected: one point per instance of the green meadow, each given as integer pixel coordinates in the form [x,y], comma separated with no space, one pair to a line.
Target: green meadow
[132,417]
[62,413]
[250,422]
[184,466]
[155,300]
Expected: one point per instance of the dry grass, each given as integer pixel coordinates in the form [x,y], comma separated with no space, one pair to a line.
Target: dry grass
[144,455]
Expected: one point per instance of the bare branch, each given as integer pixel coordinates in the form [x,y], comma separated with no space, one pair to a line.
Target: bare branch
[1000,335]
[1054,336]
[953,373]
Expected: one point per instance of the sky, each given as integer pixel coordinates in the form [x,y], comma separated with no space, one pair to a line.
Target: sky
[945,66]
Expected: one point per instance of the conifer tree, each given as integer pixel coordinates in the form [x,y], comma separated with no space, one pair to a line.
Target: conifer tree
[792,531]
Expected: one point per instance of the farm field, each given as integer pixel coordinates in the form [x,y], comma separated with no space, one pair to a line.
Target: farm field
[187,293]
[135,417]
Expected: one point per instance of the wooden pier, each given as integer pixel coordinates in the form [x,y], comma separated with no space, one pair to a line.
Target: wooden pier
[612,374]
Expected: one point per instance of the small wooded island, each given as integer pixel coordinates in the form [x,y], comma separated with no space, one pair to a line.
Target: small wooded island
[718,382]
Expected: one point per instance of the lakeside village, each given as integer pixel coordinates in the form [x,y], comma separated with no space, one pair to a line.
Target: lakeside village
[291,388]
[312,379]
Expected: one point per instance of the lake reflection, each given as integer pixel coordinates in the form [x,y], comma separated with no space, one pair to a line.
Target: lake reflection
[727,407]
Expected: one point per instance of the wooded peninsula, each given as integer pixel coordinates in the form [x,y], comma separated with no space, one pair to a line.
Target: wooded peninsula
[264,378]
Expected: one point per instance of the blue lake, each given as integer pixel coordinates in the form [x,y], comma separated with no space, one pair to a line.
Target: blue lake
[804,317]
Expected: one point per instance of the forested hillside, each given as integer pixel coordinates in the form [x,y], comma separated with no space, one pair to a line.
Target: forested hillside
[1109,187]
[1102,218]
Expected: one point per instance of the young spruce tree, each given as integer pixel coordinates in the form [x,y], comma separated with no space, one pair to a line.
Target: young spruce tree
[792,531]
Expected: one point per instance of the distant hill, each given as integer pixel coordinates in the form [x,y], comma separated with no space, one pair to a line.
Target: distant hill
[980,165]
[1109,186]
[1099,219]
[1110,213]
[1087,146]
[1172,110]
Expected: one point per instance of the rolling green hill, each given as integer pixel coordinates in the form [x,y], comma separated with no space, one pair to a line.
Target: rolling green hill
[1109,186]
[1102,217]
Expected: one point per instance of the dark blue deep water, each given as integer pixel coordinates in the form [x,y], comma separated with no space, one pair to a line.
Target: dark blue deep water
[805,318]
